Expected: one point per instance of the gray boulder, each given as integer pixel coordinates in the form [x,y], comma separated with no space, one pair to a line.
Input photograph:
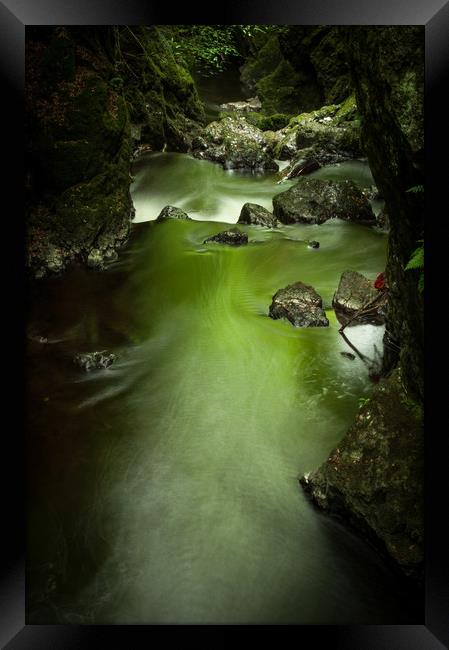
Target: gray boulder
[231,237]
[254,214]
[300,304]
[172,212]
[354,292]
[314,200]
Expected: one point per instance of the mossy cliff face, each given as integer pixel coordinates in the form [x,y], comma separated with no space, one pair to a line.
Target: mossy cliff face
[374,478]
[164,106]
[81,119]
[79,148]
[298,69]
[387,65]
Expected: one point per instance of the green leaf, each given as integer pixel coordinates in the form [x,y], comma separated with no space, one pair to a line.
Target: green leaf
[416,260]
[421,283]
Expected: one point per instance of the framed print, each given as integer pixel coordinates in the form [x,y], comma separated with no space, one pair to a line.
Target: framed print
[217,377]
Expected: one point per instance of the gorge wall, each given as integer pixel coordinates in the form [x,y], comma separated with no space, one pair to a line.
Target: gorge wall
[374,478]
[92,94]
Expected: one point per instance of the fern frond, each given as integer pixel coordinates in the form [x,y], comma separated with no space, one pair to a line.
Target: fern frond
[416,261]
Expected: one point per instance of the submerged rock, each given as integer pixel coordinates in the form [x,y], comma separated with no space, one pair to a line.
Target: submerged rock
[314,200]
[94,360]
[300,304]
[254,214]
[354,292]
[313,244]
[374,479]
[231,237]
[172,212]
[235,144]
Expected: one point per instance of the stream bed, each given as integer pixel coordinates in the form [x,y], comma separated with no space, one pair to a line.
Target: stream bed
[164,489]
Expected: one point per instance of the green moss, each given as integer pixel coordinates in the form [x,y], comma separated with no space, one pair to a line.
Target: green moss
[161,94]
[265,62]
[324,111]
[280,91]
[268,122]
[347,110]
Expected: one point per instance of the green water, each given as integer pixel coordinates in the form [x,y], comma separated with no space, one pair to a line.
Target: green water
[164,489]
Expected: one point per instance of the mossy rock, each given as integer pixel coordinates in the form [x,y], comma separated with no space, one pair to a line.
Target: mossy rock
[374,478]
[315,200]
[235,144]
[347,111]
[273,122]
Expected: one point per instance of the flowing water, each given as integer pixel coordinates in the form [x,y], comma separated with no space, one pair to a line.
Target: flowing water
[164,489]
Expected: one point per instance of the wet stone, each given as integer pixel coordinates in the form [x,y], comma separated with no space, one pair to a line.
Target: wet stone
[300,304]
[232,237]
[94,360]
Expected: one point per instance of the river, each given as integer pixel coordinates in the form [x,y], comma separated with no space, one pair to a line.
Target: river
[164,489]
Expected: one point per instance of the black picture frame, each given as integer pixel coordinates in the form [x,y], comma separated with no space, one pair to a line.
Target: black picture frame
[14,16]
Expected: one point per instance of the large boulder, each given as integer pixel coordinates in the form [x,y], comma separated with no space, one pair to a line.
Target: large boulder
[374,478]
[231,237]
[354,293]
[172,212]
[235,144]
[256,215]
[332,131]
[300,304]
[314,200]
